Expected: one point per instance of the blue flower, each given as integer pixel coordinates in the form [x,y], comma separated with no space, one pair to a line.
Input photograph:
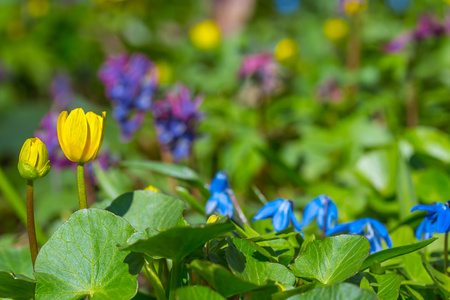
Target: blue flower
[287,6]
[436,220]
[370,228]
[323,209]
[220,199]
[281,211]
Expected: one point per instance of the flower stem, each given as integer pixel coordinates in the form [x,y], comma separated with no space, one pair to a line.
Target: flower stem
[30,222]
[155,281]
[446,254]
[81,186]
[175,278]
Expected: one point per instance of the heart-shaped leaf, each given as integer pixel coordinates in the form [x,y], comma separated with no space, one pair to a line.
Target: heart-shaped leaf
[197,292]
[342,291]
[144,209]
[14,263]
[82,259]
[221,279]
[333,259]
[177,242]
[249,265]
[386,254]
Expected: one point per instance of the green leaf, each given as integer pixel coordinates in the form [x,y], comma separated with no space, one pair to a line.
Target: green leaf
[441,280]
[184,193]
[144,209]
[16,260]
[221,279]
[429,185]
[430,141]
[197,292]
[14,263]
[378,167]
[387,254]
[16,286]
[289,293]
[388,286]
[82,258]
[406,194]
[342,291]
[333,259]
[175,243]
[249,265]
[177,171]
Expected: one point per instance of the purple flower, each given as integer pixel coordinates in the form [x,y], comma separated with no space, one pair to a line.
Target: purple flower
[263,68]
[61,91]
[427,27]
[130,84]
[176,118]
[330,91]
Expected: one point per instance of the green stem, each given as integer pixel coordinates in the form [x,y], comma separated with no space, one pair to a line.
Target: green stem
[154,279]
[30,222]
[446,254]
[175,278]
[81,186]
[16,202]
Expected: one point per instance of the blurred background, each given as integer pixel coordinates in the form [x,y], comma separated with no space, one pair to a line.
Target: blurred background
[291,98]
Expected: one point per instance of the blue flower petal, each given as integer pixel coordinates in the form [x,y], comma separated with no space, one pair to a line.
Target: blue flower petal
[375,245]
[211,204]
[420,229]
[443,219]
[294,220]
[339,228]
[280,220]
[225,206]
[310,213]
[332,215]
[359,226]
[268,210]
[219,182]
[425,207]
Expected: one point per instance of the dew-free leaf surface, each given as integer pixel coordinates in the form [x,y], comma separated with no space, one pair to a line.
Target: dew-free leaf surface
[82,258]
[144,209]
[221,279]
[342,291]
[177,242]
[196,293]
[386,254]
[249,265]
[333,259]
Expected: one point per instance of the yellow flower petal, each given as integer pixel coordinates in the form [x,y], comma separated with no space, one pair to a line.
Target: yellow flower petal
[95,125]
[75,131]
[61,121]
[33,154]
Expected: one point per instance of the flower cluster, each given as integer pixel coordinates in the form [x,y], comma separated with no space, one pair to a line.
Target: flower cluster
[261,67]
[176,118]
[325,211]
[287,6]
[130,85]
[437,219]
[220,200]
[427,27]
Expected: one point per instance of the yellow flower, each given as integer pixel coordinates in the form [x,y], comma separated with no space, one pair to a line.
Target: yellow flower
[152,188]
[335,29]
[286,49]
[352,7]
[33,159]
[81,135]
[38,8]
[212,219]
[205,35]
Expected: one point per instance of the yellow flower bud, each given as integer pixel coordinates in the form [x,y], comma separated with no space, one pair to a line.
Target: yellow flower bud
[335,29]
[81,135]
[205,35]
[352,7]
[33,159]
[212,219]
[152,188]
[286,50]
